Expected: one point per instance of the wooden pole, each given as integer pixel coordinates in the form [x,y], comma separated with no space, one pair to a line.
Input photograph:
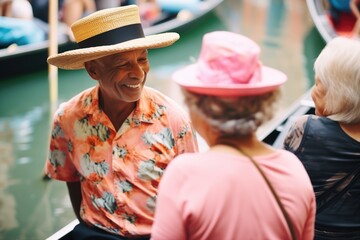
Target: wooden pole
[53,71]
[53,49]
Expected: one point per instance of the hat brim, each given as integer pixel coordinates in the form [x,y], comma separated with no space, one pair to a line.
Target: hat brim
[271,79]
[75,59]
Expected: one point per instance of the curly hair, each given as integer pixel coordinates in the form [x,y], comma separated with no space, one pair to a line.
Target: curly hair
[234,116]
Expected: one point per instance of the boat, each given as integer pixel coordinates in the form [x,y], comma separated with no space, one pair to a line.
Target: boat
[276,132]
[274,136]
[65,232]
[24,59]
[324,22]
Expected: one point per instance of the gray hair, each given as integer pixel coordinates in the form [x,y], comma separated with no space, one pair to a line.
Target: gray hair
[338,68]
[234,116]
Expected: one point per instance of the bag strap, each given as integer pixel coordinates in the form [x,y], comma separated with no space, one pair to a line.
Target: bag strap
[286,215]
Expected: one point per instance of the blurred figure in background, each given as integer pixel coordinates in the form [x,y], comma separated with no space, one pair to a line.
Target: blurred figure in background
[41,9]
[150,12]
[346,13]
[16,8]
[17,24]
[355,6]
[73,10]
[337,6]
[68,12]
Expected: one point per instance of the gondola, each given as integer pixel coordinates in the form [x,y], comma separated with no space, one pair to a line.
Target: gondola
[276,132]
[324,22]
[32,57]
[274,136]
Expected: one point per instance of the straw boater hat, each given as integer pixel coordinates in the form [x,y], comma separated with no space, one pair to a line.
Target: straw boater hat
[228,66]
[106,32]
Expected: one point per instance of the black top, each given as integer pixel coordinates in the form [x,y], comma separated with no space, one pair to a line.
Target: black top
[332,160]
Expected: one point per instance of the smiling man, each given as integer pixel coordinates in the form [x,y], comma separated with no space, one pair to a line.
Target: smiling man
[111,143]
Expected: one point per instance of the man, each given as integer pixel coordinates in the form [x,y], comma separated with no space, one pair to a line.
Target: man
[111,143]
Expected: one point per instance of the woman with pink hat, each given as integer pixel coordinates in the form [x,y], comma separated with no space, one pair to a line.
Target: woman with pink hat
[241,188]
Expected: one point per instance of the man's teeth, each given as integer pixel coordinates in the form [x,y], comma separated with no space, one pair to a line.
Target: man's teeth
[133,86]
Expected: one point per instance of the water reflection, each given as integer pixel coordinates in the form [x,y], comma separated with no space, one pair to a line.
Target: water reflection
[7,201]
[31,208]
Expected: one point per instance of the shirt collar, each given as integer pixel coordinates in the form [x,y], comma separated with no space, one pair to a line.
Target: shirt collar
[145,109]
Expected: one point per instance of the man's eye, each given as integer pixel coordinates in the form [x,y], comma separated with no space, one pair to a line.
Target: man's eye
[122,65]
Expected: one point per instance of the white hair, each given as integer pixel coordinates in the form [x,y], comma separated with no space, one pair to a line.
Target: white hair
[338,68]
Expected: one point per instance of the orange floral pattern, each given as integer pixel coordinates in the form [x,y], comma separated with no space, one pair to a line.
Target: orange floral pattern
[119,171]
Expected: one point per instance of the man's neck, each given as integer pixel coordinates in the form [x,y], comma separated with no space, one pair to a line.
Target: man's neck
[116,111]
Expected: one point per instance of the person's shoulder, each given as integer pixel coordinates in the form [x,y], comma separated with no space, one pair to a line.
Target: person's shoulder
[299,123]
[79,96]
[74,103]
[303,119]
[316,121]
[295,131]
[288,155]
[295,167]
[188,160]
[292,162]
[180,161]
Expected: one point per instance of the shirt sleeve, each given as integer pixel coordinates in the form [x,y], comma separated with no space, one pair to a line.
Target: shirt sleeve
[58,164]
[295,135]
[186,140]
[182,128]
[168,222]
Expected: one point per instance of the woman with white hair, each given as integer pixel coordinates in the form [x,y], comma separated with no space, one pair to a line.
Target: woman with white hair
[241,188]
[328,144]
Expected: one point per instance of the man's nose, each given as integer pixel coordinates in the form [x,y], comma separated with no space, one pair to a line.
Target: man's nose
[137,71]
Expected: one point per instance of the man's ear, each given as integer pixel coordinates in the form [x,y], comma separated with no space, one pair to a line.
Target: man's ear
[90,67]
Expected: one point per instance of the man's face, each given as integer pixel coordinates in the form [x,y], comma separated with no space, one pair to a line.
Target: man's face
[121,76]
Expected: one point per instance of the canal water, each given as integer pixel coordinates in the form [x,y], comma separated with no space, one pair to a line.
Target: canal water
[32,208]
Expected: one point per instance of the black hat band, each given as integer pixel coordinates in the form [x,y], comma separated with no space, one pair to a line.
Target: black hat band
[114,36]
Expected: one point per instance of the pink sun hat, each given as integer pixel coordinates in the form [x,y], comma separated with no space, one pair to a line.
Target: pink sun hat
[229,65]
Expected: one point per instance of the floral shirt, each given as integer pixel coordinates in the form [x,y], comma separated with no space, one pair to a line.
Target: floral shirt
[119,171]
